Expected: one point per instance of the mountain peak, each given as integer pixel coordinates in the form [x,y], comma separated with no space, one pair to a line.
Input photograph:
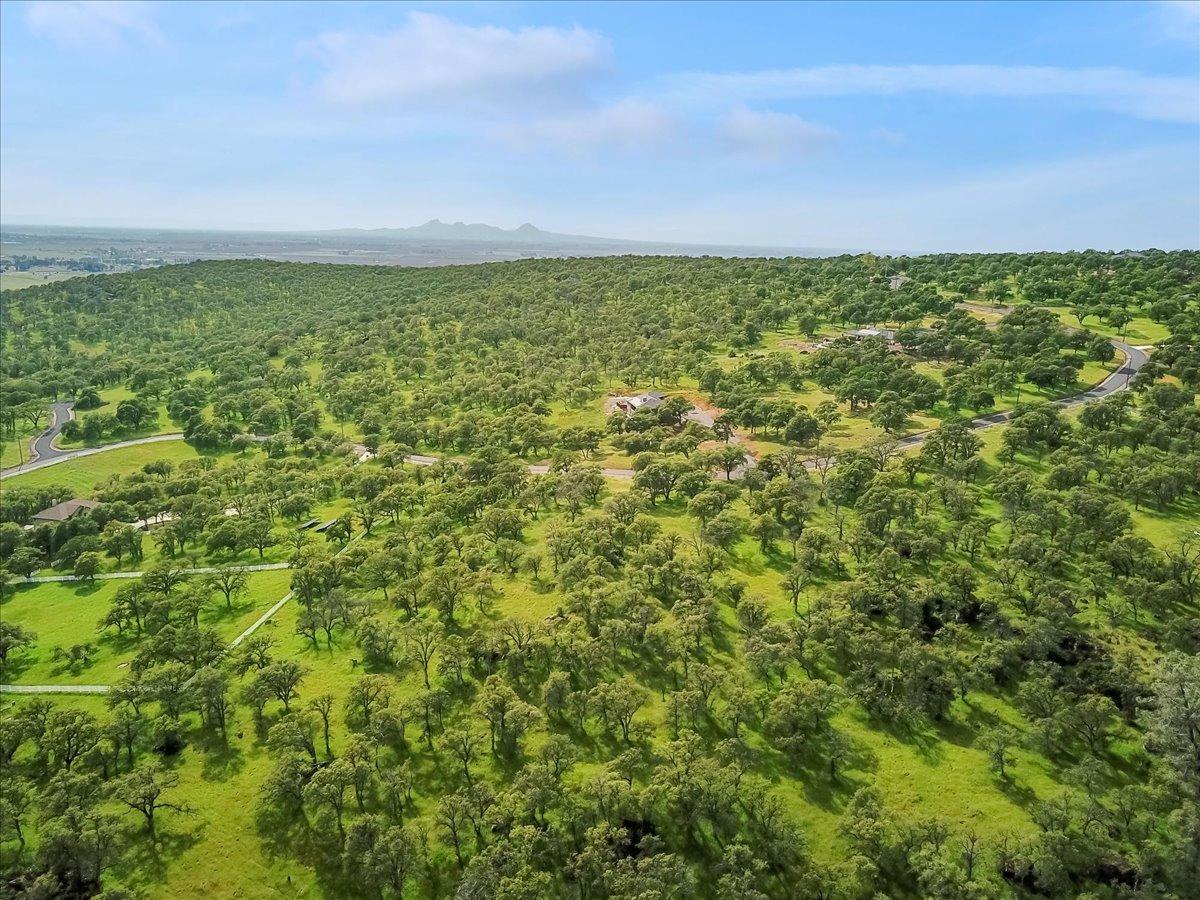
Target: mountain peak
[471,231]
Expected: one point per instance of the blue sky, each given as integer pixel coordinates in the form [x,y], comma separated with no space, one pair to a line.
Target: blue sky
[893,127]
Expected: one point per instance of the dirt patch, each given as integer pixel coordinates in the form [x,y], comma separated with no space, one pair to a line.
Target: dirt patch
[799,346]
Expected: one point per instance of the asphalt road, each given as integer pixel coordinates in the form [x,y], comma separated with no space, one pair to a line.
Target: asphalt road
[1119,380]
[43,445]
[1135,358]
[59,456]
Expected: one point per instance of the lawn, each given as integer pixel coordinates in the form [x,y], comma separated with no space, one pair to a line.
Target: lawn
[1165,528]
[109,398]
[14,449]
[63,614]
[1140,330]
[82,474]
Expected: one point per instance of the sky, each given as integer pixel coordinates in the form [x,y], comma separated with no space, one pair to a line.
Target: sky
[893,127]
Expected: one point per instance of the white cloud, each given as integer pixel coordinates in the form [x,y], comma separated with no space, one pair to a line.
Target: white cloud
[86,23]
[1177,20]
[431,61]
[1164,97]
[627,126]
[1183,11]
[772,135]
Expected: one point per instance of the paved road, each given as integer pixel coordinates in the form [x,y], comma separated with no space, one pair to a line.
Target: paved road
[60,414]
[199,570]
[1135,358]
[60,456]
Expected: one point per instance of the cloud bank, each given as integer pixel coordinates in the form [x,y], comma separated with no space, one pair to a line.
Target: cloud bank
[430,62]
[86,23]
[1163,97]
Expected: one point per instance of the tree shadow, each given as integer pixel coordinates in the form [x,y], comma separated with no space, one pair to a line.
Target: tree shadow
[18,663]
[221,759]
[916,733]
[145,864]
[1020,794]
[963,730]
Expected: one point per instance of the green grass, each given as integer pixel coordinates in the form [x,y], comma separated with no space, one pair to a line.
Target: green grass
[589,416]
[109,398]
[1140,330]
[1165,528]
[14,449]
[14,281]
[67,613]
[82,475]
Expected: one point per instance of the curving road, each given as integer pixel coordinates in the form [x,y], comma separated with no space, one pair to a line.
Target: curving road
[61,413]
[1135,358]
[56,455]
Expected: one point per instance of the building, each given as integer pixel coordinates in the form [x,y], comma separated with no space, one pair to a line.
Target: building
[862,334]
[648,400]
[60,512]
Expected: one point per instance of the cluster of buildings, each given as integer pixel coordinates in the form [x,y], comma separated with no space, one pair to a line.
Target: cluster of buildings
[859,334]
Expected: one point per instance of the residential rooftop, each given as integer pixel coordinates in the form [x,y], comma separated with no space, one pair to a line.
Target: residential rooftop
[60,512]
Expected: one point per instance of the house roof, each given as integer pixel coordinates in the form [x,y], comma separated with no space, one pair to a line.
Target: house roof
[60,512]
[645,400]
[887,333]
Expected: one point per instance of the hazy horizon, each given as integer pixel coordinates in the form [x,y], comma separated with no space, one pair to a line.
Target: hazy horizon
[896,128]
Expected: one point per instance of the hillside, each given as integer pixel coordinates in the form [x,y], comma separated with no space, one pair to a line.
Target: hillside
[632,577]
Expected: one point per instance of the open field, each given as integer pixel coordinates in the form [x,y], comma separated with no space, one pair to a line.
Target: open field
[1140,329]
[83,474]
[14,281]
[67,614]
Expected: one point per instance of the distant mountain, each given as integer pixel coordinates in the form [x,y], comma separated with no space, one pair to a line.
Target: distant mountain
[437,230]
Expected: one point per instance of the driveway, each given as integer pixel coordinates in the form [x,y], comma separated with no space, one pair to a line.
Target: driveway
[1135,358]
[61,413]
[56,455]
